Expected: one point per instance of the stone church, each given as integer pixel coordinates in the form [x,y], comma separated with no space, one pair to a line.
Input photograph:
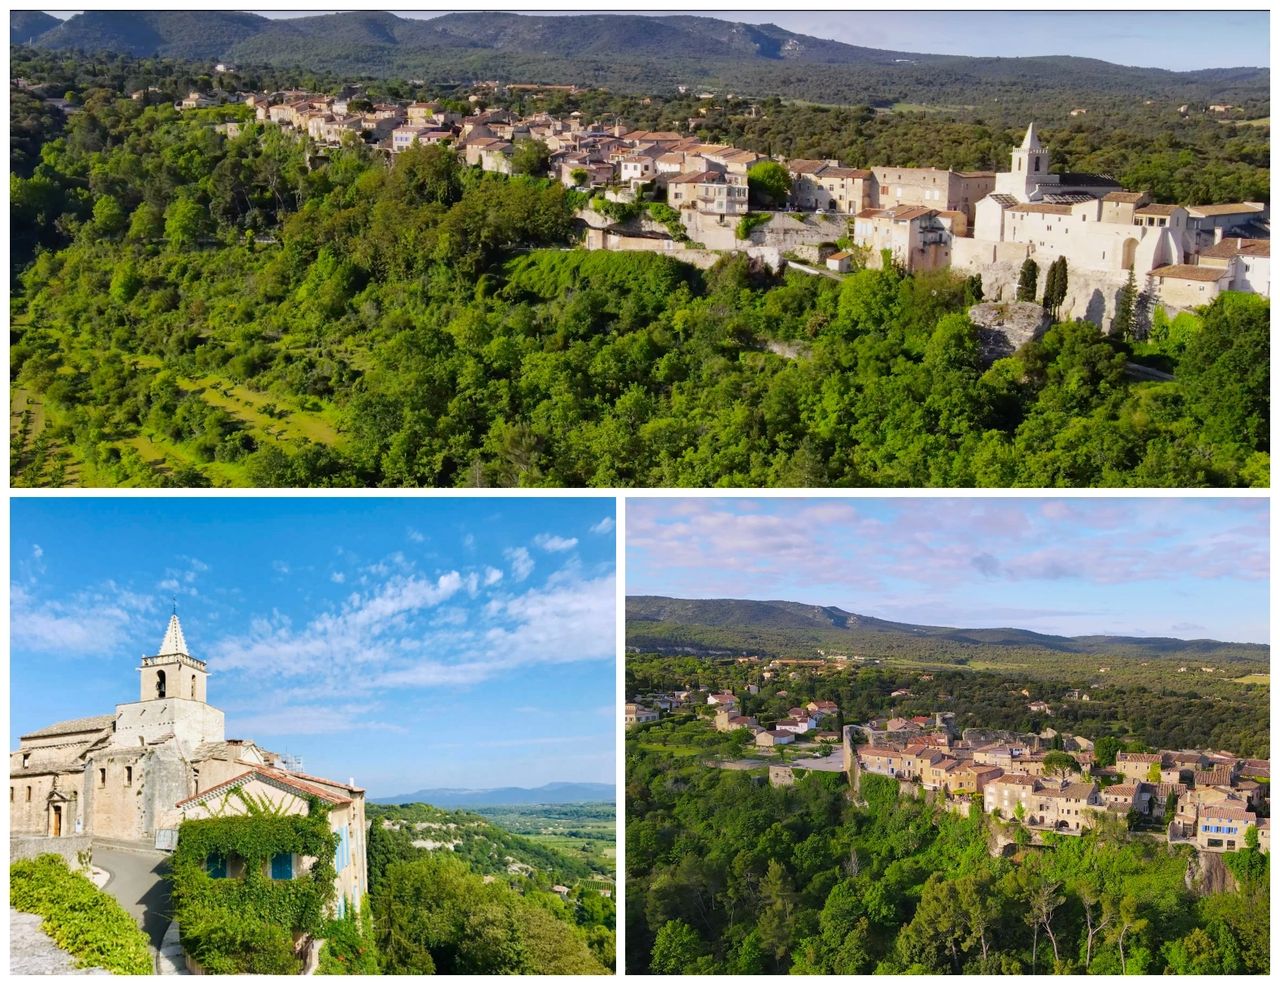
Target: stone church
[136,774]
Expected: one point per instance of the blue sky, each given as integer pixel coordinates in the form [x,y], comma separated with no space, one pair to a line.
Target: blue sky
[409,643]
[1172,39]
[1189,568]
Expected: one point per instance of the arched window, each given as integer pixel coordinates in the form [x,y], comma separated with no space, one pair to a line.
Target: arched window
[160,684]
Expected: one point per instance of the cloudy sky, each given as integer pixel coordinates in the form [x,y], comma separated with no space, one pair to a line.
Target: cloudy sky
[1172,39]
[1189,568]
[408,643]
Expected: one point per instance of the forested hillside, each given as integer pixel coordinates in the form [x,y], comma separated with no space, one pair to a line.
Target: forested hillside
[632,53]
[473,898]
[192,309]
[732,876]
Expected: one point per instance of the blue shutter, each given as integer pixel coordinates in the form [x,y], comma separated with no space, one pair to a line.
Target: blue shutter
[342,856]
[216,866]
[282,866]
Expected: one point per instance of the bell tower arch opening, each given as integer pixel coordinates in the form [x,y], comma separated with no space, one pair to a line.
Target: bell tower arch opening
[160,684]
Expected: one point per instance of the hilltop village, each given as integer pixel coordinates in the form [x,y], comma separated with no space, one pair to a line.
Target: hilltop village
[669,192]
[1048,781]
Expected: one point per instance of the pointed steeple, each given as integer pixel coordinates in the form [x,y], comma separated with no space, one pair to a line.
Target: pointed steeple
[174,641]
[1032,140]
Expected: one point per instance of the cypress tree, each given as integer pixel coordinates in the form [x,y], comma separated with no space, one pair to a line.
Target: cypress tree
[1050,286]
[1126,305]
[1027,280]
[1060,285]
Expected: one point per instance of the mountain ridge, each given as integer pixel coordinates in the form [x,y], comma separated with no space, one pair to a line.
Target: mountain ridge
[781,616]
[548,793]
[625,51]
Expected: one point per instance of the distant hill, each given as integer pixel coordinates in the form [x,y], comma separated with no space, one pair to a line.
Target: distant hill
[551,793]
[624,51]
[27,25]
[791,628]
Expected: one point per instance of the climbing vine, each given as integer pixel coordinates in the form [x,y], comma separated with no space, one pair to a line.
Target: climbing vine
[247,923]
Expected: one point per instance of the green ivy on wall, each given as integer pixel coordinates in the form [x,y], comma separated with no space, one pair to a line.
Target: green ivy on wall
[247,923]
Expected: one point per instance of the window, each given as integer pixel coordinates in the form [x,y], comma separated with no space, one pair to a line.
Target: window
[282,866]
[28,795]
[102,777]
[26,758]
[11,793]
[128,776]
[216,866]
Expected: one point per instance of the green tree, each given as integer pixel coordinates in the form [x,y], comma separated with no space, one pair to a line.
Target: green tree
[675,949]
[1060,764]
[1027,277]
[768,184]
[1123,325]
[185,223]
[531,157]
[1105,750]
[109,216]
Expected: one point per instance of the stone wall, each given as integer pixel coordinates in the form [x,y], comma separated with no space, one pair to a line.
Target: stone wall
[1091,294]
[76,849]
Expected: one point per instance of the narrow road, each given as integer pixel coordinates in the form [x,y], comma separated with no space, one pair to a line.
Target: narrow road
[138,882]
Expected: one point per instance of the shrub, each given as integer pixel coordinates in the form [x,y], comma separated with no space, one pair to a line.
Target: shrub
[749,222]
[79,917]
[349,947]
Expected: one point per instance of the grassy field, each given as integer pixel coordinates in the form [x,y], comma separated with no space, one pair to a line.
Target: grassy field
[1264,679]
[585,831]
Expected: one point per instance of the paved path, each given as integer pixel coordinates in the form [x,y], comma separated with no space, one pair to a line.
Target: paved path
[32,952]
[138,882]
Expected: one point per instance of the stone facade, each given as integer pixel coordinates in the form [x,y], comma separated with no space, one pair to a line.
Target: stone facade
[137,774]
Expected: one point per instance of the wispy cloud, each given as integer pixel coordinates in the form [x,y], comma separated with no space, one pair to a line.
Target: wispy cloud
[553,543]
[605,526]
[521,562]
[91,623]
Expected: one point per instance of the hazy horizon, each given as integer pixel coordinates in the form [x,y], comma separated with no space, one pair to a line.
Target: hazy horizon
[1187,569]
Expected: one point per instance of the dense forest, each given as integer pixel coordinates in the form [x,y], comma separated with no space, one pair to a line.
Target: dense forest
[486,906]
[1148,704]
[728,875]
[196,310]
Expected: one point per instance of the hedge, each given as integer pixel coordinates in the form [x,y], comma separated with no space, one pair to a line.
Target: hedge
[247,925]
[80,917]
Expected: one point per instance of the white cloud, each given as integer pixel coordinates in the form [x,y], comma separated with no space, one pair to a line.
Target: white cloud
[337,577]
[604,526]
[521,562]
[416,536]
[89,624]
[550,542]
[37,551]
[492,576]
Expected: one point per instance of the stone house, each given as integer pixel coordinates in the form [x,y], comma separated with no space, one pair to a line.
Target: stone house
[1222,829]
[769,738]
[289,792]
[1005,794]
[1134,766]
[1249,261]
[637,714]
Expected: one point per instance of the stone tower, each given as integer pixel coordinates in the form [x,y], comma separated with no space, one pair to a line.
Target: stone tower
[1029,169]
[173,672]
[172,701]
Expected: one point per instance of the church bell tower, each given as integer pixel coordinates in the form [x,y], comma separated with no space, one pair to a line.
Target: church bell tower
[173,672]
